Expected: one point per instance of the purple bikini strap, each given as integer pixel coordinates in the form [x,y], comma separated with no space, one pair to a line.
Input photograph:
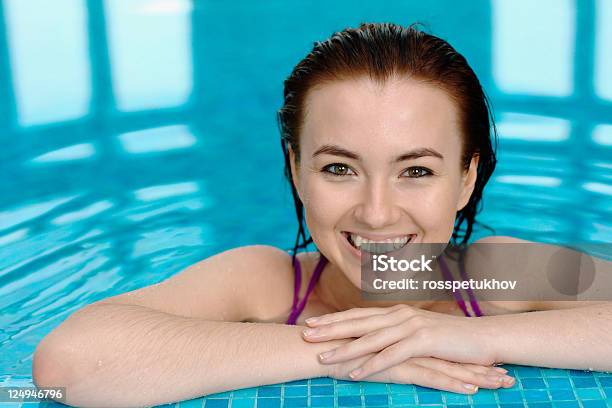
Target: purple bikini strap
[295,312]
[473,301]
[297,274]
[449,277]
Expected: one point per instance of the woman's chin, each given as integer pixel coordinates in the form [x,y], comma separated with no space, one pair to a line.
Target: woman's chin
[355,279]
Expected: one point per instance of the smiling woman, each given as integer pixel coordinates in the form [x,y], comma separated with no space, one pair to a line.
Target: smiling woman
[380,72]
[388,138]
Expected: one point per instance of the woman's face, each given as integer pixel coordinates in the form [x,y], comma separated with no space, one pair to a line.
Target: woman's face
[379,162]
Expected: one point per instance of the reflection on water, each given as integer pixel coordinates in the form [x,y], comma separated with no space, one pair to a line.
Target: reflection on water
[530,180]
[532,127]
[53,38]
[83,213]
[158,139]
[165,191]
[139,137]
[602,134]
[75,152]
[151,65]
[535,59]
[603,42]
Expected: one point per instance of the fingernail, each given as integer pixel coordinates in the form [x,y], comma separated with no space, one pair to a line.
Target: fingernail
[471,387]
[327,354]
[311,320]
[355,373]
[500,370]
[310,332]
[494,378]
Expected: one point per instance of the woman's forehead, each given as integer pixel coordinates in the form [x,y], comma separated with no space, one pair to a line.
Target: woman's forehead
[398,112]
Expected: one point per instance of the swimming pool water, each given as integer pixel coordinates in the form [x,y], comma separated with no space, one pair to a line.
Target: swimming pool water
[139,137]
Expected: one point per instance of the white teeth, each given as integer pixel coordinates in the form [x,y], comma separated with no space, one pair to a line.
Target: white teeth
[371,246]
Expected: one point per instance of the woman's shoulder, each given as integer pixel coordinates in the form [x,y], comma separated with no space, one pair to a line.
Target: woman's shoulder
[536,260]
[234,285]
[271,259]
[267,264]
[256,261]
[500,239]
[272,280]
[497,307]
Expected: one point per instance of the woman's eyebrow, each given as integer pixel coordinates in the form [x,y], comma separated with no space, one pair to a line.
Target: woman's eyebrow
[420,152]
[410,155]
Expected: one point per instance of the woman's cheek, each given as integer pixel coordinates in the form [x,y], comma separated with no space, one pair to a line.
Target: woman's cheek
[324,209]
[322,201]
[436,213]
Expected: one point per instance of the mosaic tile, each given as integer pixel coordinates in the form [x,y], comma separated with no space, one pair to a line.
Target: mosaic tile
[535,388]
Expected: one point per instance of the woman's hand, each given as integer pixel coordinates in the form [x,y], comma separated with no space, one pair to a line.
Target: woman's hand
[433,373]
[396,334]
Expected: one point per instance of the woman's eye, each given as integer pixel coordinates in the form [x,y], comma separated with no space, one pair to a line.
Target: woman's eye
[416,172]
[337,169]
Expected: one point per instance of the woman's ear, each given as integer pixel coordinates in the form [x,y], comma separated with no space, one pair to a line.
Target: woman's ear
[468,183]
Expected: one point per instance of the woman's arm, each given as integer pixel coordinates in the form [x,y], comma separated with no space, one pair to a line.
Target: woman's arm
[182,337]
[547,276]
[115,355]
[577,338]
[571,333]
[568,334]
[570,338]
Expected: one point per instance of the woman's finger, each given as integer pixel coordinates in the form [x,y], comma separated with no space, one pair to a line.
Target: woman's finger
[369,343]
[395,354]
[484,369]
[427,377]
[357,327]
[345,315]
[483,378]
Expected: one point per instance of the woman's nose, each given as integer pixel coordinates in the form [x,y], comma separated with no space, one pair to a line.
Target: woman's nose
[377,208]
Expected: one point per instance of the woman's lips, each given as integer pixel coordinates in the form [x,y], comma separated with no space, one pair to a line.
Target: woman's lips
[357,252]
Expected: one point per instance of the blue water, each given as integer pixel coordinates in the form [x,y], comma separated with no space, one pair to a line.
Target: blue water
[139,137]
